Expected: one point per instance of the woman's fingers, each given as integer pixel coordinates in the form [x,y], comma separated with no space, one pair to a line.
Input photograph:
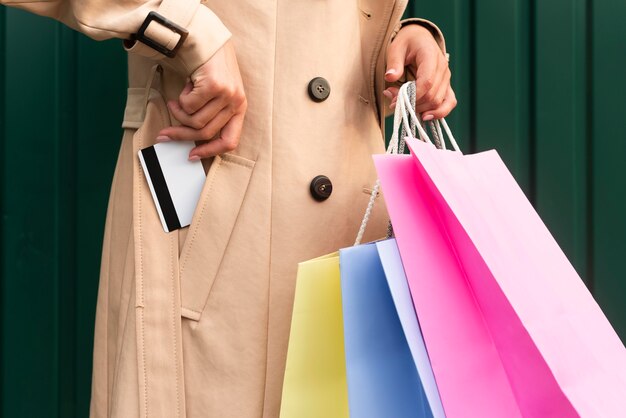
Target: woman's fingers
[448,104]
[226,142]
[435,98]
[391,92]
[208,103]
[392,95]
[207,132]
[396,60]
[426,92]
[194,96]
[199,119]
[426,78]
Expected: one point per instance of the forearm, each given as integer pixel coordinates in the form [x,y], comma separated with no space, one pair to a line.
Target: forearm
[105,19]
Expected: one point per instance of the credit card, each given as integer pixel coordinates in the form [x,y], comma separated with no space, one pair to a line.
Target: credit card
[175,182]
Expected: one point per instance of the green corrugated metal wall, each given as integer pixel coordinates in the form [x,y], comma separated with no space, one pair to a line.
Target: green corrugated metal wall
[542,81]
[63,98]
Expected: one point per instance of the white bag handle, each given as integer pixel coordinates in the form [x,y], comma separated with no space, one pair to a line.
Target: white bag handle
[404,110]
[416,120]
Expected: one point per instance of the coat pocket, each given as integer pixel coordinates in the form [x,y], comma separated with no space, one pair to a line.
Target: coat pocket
[211,227]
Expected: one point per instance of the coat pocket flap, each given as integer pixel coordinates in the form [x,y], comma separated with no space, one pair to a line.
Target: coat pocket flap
[210,230]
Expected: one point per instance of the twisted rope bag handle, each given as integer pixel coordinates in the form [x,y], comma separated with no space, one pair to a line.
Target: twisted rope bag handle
[396,143]
[405,117]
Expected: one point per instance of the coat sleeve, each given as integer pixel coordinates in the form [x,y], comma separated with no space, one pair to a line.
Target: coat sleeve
[105,19]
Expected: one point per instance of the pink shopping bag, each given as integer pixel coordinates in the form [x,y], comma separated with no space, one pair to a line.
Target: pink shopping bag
[564,322]
[509,326]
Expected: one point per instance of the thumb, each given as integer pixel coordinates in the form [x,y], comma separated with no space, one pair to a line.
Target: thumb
[189,99]
[187,89]
[396,58]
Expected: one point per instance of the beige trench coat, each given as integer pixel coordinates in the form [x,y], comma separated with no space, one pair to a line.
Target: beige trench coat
[195,323]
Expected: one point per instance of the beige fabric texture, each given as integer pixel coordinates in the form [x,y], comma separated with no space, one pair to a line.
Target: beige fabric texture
[195,323]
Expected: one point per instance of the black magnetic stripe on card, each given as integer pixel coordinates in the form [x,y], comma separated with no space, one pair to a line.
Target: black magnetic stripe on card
[160,188]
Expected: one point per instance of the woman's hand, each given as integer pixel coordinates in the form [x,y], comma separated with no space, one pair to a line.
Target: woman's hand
[415,48]
[211,107]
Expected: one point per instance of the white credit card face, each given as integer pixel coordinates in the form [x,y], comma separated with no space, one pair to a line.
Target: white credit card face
[175,182]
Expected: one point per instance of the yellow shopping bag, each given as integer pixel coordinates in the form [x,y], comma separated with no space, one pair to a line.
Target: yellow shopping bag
[315,377]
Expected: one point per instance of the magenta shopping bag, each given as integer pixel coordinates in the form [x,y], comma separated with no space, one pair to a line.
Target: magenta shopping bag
[510,328]
[564,322]
[465,361]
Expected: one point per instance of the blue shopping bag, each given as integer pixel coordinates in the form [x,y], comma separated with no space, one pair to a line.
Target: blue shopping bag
[399,287]
[387,366]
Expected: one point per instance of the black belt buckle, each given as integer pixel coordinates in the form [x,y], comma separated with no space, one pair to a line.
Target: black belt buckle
[154,16]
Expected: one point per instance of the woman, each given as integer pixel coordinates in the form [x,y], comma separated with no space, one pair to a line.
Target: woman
[195,323]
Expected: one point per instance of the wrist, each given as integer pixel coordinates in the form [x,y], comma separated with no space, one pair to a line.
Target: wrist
[428,25]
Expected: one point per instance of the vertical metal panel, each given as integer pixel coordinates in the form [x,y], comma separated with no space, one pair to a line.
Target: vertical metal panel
[609,153]
[101,81]
[2,206]
[64,176]
[490,46]
[561,127]
[546,89]
[63,101]
[454,17]
[502,83]
[29,232]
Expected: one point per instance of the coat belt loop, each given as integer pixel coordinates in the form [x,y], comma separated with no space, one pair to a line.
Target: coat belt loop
[156,69]
[137,99]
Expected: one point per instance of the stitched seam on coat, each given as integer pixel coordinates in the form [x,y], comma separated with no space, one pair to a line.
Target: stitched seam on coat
[173,318]
[143,343]
[250,166]
[106,264]
[230,236]
[165,120]
[140,313]
[378,49]
[200,216]
[118,352]
[208,292]
[191,310]
[143,363]
[271,209]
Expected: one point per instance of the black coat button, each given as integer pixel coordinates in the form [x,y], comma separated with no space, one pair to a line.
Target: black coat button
[321,188]
[319,89]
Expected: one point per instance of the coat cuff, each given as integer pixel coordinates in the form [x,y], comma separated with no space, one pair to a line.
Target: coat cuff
[434,29]
[207,34]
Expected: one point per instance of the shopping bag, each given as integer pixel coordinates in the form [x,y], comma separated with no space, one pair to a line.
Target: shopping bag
[315,376]
[396,279]
[559,315]
[384,378]
[471,379]
[509,327]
